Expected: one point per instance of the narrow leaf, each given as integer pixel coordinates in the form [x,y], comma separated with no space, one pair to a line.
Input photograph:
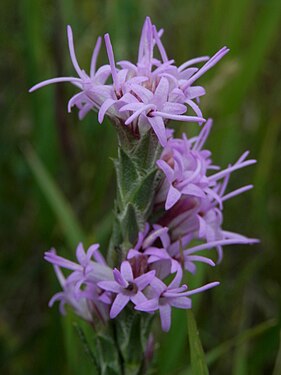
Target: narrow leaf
[198,361]
[143,196]
[126,174]
[277,367]
[62,209]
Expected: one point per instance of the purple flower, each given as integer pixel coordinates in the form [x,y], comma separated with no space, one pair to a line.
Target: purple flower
[86,269]
[71,296]
[143,95]
[93,89]
[79,289]
[185,166]
[126,287]
[170,296]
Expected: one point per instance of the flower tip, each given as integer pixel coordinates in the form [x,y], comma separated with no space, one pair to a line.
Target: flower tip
[106,38]
[148,20]
[201,121]
[253,241]
[100,117]
[69,30]
[225,50]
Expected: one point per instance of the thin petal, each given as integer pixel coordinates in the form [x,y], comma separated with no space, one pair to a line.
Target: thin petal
[126,271]
[119,278]
[110,286]
[148,306]
[181,302]
[138,298]
[161,92]
[118,305]
[95,56]
[169,172]
[158,126]
[144,280]
[54,80]
[175,108]
[172,197]
[165,316]
[104,107]
[72,52]
[110,55]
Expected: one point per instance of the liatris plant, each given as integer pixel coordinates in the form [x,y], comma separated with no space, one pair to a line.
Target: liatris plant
[168,208]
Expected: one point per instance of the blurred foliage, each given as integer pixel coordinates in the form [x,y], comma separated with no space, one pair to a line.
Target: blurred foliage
[57,180]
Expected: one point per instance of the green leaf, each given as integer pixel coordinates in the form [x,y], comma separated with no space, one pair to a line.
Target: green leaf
[244,337]
[147,151]
[86,345]
[107,354]
[169,357]
[277,366]
[130,223]
[198,361]
[145,191]
[132,331]
[266,26]
[127,175]
[61,207]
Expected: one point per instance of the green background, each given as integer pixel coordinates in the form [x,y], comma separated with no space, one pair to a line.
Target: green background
[57,183]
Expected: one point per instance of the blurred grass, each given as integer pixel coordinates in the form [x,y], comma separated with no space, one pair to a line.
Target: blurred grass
[243,97]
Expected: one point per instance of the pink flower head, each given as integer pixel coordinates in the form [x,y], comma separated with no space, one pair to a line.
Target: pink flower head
[186,167]
[143,95]
[166,297]
[89,302]
[126,287]
[93,89]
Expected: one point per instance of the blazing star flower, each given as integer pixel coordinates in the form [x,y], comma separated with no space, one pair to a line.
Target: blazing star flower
[91,302]
[80,289]
[185,166]
[72,297]
[86,269]
[187,204]
[126,287]
[93,89]
[141,96]
[170,296]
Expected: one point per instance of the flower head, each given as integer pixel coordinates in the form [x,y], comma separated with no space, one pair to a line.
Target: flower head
[143,95]
[126,287]
[166,297]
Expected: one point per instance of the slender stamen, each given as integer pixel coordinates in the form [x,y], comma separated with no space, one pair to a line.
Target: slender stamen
[201,289]
[171,116]
[160,45]
[111,61]
[209,245]
[56,80]
[233,168]
[192,62]
[72,53]
[237,192]
[218,56]
[94,57]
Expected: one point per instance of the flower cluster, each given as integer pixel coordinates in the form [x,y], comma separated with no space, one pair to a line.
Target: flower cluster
[187,204]
[143,95]
[192,203]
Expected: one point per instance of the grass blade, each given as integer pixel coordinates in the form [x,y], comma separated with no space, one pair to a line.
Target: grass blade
[277,367]
[198,361]
[62,209]
[244,337]
[265,33]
